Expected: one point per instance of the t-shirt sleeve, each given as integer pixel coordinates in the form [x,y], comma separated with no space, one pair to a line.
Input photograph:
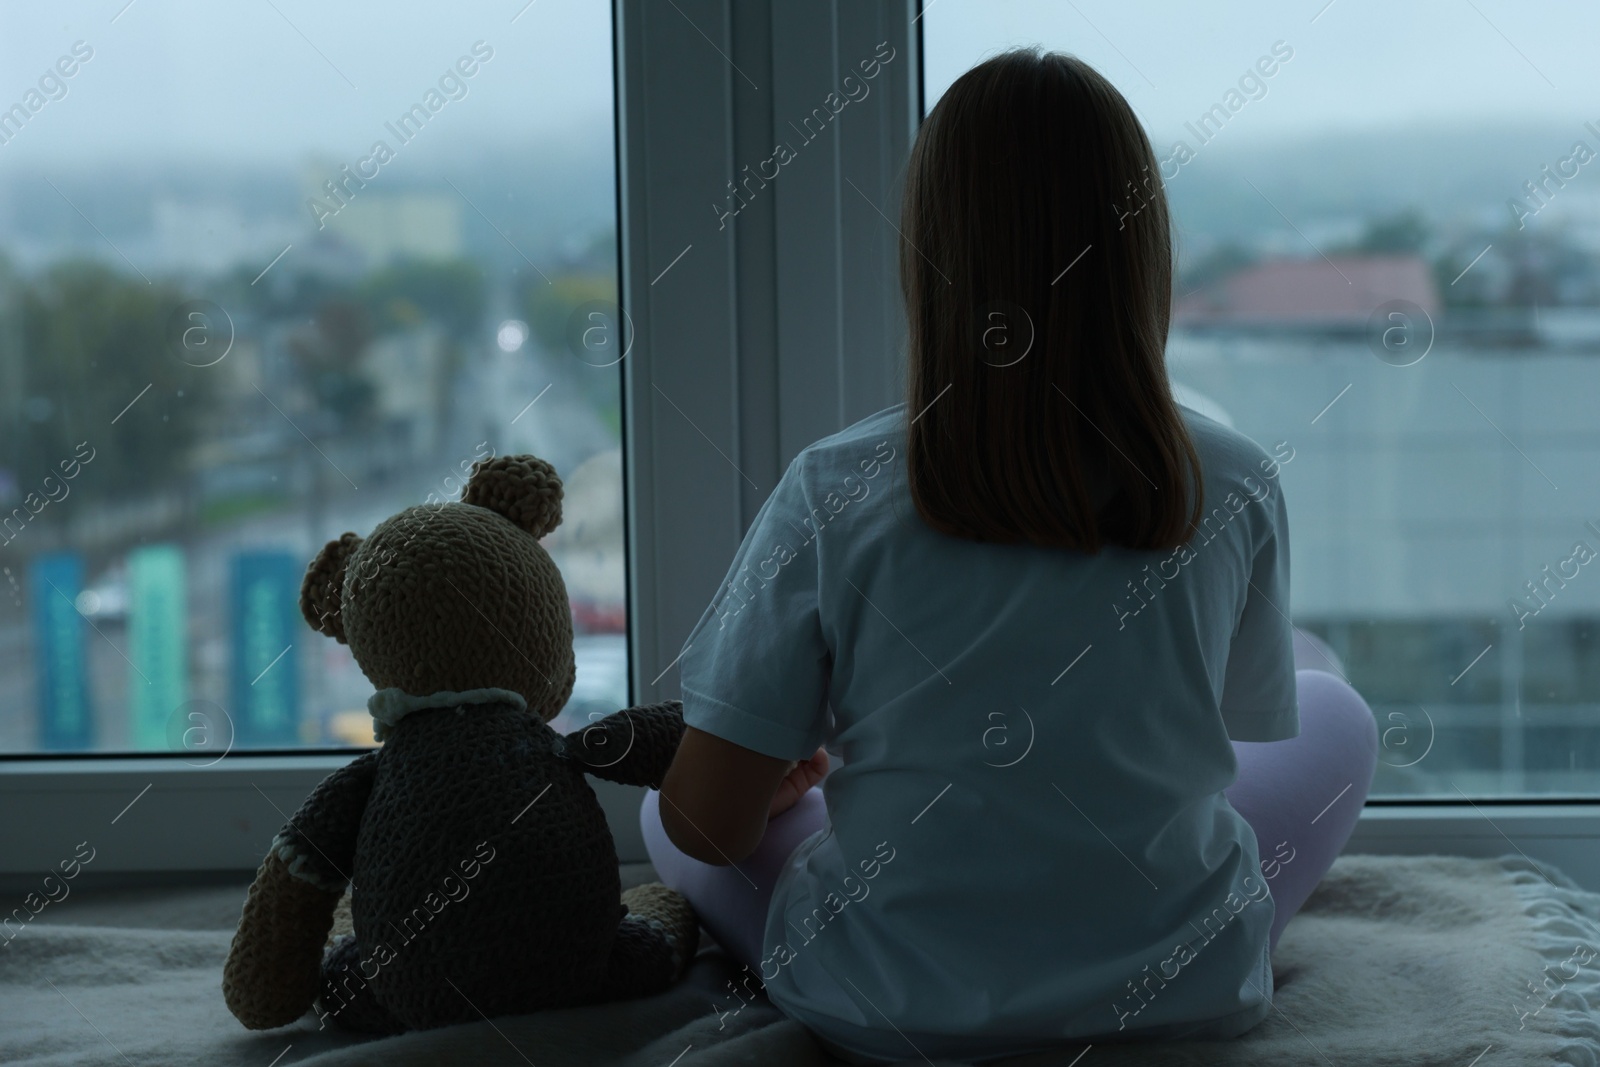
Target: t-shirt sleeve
[756,668]
[1259,693]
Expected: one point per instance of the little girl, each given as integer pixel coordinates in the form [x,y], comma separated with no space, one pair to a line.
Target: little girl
[1039,613]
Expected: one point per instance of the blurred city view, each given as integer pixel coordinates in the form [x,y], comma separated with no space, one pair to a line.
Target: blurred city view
[1435,367]
[211,367]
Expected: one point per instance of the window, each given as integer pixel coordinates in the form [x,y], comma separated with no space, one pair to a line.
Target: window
[522,178]
[1389,258]
[186,164]
[268,274]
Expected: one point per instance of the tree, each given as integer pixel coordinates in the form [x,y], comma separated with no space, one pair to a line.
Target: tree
[451,292]
[549,305]
[1406,232]
[1219,263]
[91,357]
[328,359]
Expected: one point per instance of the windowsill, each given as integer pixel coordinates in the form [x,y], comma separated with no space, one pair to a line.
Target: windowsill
[143,814]
[220,818]
[1562,833]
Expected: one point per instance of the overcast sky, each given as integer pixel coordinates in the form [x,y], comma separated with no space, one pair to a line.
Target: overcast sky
[1363,64]
[268,79]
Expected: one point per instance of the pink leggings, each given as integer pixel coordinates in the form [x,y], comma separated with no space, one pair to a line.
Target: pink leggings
[1302,797]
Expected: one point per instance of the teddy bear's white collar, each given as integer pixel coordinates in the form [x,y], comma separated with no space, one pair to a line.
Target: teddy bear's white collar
[389,706]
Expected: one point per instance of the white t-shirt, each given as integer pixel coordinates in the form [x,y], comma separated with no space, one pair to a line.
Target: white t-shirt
[1028,842]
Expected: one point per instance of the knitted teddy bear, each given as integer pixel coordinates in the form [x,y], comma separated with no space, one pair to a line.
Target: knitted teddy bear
[483,879]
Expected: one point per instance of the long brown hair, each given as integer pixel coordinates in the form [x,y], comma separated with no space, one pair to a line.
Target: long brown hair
[1036,264]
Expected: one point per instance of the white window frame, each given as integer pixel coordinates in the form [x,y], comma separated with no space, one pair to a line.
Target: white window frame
[749,342]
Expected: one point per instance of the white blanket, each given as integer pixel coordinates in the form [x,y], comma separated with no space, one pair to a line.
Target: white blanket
[1395,960]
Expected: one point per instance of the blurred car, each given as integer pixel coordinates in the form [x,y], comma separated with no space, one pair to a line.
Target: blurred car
[105,601]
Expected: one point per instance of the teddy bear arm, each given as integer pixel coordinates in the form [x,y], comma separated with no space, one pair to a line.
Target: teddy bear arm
[319,843]
[273,968]
[634,746]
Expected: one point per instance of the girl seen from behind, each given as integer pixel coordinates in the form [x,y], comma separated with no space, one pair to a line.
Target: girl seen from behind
[1040,614]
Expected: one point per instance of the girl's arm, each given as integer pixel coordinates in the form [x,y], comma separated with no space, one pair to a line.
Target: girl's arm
[718,796]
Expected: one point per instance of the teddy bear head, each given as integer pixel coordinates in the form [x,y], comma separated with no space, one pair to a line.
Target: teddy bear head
[456,596]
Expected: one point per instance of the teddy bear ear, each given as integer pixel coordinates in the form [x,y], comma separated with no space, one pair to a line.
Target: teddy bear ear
[524,489]
[322,589]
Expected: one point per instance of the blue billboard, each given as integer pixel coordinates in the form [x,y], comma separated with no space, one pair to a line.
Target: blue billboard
[66,720]
[266,628]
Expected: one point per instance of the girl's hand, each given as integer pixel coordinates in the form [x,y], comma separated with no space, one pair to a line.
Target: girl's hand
[801,777]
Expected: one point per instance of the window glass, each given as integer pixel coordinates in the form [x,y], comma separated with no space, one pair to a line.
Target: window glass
[267,274]
[1389,259]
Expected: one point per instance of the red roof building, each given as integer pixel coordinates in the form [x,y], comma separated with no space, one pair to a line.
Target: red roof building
[1340,292]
